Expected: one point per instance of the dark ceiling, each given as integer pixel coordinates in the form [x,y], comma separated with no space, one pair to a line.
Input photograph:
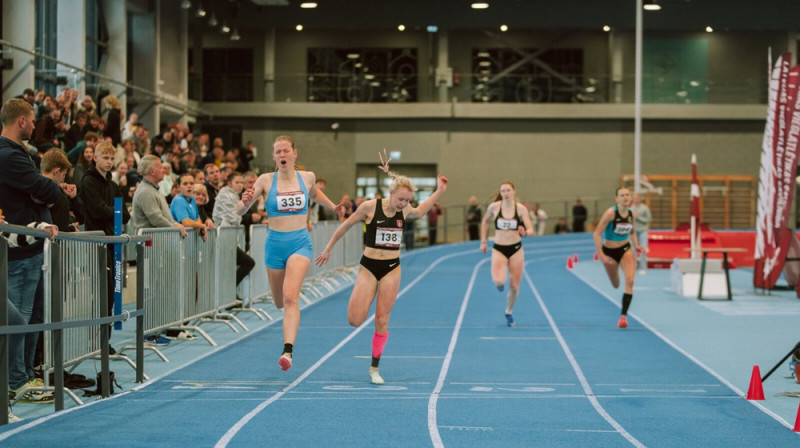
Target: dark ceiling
[722,15]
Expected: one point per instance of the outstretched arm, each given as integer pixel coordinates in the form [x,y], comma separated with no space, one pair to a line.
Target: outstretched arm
[422,209]
[362,212]
[252,194]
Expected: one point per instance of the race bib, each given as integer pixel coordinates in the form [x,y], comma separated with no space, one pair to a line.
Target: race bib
[506,224]
[388,236]
[623,229]
[290,202]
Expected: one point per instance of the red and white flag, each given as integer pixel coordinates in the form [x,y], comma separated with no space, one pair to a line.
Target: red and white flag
[777,175]
[695,211]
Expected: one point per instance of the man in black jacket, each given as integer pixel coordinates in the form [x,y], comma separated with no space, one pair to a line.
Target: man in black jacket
[24,196]
[97,193]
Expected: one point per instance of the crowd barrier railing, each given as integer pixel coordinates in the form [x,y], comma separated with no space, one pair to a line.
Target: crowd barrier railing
[75,297]
[340,269]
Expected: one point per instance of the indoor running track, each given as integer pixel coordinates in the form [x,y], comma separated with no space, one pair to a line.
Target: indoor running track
[456,376]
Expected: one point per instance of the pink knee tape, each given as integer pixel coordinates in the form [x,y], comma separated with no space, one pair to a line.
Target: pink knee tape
[378,343]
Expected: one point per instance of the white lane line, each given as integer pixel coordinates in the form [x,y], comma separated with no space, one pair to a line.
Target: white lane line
[228,436]
[716,375]
[577,368]
[433,429]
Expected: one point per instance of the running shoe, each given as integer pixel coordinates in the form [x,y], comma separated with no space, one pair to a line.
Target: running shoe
[623,322]
[509,320]
[375,377]
[285,361]
[30,393]
[501,287]
[11,417]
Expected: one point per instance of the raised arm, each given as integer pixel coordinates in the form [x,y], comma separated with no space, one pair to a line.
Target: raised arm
[252,194]
[422,209]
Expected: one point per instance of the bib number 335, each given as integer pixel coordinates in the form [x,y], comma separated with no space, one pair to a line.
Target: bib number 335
[291,201]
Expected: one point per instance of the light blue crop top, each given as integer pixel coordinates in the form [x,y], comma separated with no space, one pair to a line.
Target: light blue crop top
[287,203]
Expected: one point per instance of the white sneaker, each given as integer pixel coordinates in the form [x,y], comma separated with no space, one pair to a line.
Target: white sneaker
[11,417]
[375,377]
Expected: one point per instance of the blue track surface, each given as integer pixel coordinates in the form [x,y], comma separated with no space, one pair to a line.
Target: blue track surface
[455,375]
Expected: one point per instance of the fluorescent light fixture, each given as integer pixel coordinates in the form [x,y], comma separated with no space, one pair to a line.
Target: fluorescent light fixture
[504,28]
[308,5]
[395,155]
[651,5]
[480,5]
[353,56]
[433,28]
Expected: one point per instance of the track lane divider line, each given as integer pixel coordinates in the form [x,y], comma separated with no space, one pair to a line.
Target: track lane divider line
[433,428]
[587,389]
[228,436]
[675,346]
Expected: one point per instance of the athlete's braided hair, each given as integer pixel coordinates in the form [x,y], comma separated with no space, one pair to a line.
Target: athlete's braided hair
[398,181]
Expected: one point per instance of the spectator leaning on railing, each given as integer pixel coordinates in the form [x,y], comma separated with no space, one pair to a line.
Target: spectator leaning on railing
[24,196]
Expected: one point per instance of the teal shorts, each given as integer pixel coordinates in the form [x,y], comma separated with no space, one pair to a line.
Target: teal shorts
[279,246]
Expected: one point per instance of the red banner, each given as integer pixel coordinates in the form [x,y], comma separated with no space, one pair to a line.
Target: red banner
[695,210]
[777,175]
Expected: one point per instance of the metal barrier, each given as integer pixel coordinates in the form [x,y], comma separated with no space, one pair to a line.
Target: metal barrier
[75,287]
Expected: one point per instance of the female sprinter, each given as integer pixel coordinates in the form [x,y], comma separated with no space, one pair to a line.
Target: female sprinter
[511,223]
[380,264]
[288,245]
[612,237]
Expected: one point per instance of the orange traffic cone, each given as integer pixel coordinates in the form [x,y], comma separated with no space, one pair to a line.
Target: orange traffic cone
[575,258]
[797,421]
[756,391]
[569,263]
[596,256]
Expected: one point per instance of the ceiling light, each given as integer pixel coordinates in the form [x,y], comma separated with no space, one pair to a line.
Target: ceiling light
[606,28]
[299,27]
[186,4]
[225,28]
[200,11]
[651,5]
[401,27]
[503,28]
[308,5]
[709,29]
[480,5]
[432,28]
[235,36]
[213,20]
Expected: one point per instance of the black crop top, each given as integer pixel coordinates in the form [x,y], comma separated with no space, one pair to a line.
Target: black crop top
[384,232]
[501,223]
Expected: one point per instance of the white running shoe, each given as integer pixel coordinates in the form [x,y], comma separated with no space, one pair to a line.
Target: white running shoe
[375,377]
